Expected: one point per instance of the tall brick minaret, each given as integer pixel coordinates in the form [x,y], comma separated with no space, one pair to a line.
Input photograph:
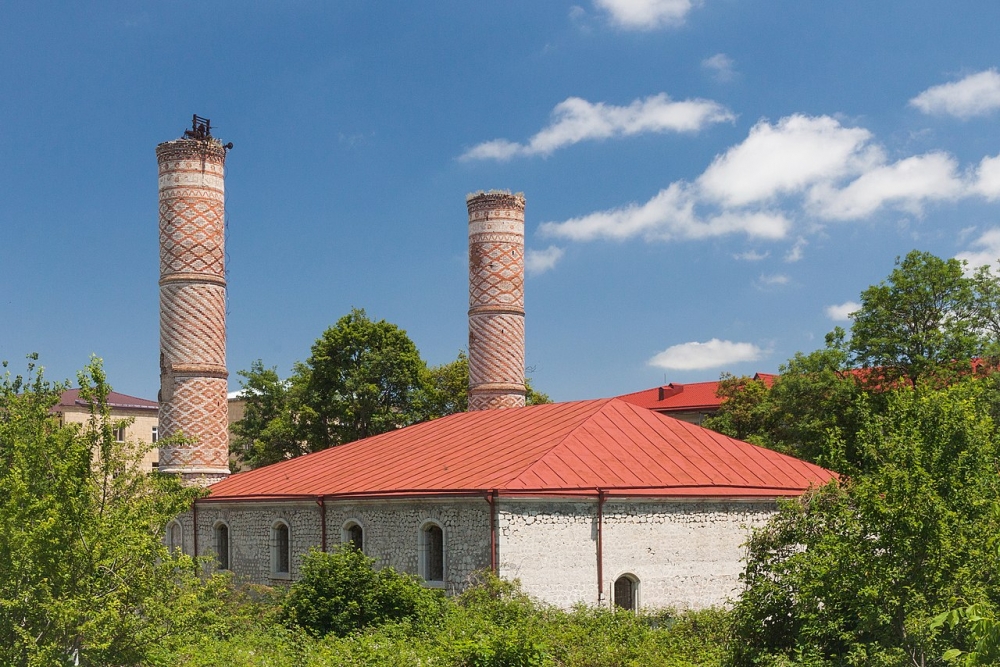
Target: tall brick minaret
[496,300]
[193,375]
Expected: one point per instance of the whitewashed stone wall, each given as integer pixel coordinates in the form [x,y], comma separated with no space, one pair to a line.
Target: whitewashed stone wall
[551,547]
[685,554]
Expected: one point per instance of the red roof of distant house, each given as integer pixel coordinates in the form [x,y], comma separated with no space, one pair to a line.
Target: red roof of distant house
[71,398]
[558,448]
[676,397]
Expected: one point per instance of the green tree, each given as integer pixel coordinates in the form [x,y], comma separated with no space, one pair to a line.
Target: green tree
[851,573]
[918,321]
[268,431]
[445,390]
[340,592]
[360,380]
[812,399]
[84,575]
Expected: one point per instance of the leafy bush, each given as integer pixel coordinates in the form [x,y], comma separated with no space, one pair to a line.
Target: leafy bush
[340,592]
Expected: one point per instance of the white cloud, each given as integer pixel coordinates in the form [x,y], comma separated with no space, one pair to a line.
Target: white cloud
[975,95]
[986,249]
[751,256]
[668,215]
[540,261]
[987,178]
[800,168]
[787,157]
[907,183]
[575,120]
[721,66]
[842,312]
[713,354]
[646,14]
[772,280]
[795,254]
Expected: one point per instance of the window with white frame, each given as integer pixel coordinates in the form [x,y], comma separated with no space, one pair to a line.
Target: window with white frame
[431,544]
[155,435]
[281,544]
[222,545]
[119,434]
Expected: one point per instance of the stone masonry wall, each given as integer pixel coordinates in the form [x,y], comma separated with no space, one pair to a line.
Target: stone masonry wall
[391,534]
[684,554]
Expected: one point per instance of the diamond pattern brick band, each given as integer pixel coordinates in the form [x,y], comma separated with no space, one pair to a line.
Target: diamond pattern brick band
[193,309]
[496,300]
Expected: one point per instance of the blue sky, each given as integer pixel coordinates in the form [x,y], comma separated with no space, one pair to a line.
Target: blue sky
[709,184]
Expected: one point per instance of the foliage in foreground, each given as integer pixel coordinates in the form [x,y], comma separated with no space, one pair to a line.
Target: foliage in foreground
[492,624]
[340,592]
[84,575]
[853,573]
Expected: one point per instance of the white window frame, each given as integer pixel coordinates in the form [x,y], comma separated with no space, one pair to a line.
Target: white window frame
[155,435]
[423,549]
[275,547]
[119,434]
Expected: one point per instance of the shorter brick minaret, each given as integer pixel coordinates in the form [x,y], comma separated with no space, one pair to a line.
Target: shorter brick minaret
[496,300]
[193,375]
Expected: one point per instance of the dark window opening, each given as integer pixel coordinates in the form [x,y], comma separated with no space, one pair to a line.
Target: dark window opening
[281,555]
[356,536]
[433,553]
[625,588]
[222,545]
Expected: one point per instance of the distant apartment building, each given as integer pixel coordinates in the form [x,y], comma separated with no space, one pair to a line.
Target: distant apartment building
[72,409]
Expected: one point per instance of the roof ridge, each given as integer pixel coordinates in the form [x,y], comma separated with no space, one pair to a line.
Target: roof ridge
[599,406]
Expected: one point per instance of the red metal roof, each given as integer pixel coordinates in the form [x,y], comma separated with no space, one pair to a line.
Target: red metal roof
[71,398]
[558,448]
[676,397]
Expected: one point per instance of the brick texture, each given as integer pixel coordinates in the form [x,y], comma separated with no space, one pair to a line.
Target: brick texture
[193,309]
[496,301]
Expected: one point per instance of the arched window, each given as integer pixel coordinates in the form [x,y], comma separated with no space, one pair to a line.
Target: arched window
[627,592]
[281,544]
[353,532]
[222,545]
[175,536]
[432,552]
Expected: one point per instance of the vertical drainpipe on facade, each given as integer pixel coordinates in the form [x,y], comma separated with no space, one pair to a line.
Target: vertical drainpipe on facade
[321,501]
[600,546]
[194,518]
[491,498]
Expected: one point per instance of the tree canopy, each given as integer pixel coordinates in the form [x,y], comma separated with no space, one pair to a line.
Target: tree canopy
[362,378]
[84,575]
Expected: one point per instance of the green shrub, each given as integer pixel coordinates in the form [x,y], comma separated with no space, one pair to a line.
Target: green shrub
[340,592]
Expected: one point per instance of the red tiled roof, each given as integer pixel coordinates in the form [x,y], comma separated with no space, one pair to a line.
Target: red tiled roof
[675,397]
[558,448]
[71,398]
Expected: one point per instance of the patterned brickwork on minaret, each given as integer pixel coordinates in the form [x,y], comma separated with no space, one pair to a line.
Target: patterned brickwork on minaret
[193,375]
[496,300]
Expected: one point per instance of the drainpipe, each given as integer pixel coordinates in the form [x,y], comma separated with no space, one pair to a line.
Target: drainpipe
[491,498]
[321,501]
[194,517]
[600,545]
